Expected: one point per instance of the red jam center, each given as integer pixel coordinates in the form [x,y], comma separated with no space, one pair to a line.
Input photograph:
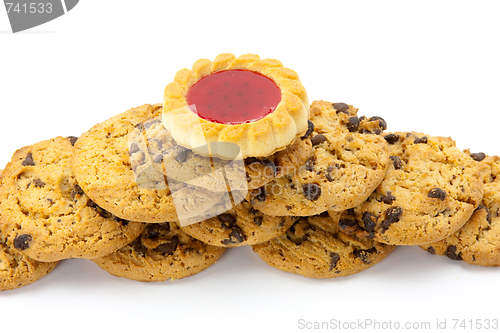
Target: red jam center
[234,97]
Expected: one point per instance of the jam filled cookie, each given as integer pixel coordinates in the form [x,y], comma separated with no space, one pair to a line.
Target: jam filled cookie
[240,225]
[315,247]
[430,190]
[348,161]
[478,241]
[255,104]
[45,213]
[162,252]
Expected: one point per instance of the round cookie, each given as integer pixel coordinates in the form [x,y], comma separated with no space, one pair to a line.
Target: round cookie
[183,165]
[45,213]
[162,252]
[315,247]
[478,241]
[118,163]
[238,226]
[430,190]
[347,163]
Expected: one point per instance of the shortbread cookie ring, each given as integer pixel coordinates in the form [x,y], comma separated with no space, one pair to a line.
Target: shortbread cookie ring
[270,125]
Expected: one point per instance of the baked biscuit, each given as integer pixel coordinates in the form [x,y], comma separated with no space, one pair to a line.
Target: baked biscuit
[347,163]
[478,241]
[315,247]
[45,212]
[162,252]
[256,104]
[430,190]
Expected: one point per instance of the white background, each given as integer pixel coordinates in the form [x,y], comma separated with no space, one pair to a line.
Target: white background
[428,66]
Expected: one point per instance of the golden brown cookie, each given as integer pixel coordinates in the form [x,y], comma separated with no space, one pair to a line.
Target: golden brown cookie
[430,190]
[162,252]
[46,215]
[478,241]
[240,225]
[315,247]
[347,163]
[256,104]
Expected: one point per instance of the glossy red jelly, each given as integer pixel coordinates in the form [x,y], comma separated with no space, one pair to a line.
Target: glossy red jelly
[234,97]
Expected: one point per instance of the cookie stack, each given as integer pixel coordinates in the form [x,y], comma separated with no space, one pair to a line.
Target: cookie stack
[235,155]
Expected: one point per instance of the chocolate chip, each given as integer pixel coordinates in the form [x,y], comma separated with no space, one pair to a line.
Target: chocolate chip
[334,259]
[488,215]
[169,247]
[154,230]
[381,122]
[431,250]
[317,139]
[396,161]
[309,165]
[227,221]
[364,255]
[258,220]
[38,183]
[388,198]
[437,193]
[310,129]
[182,156]
[28,160]
[478,156]
[352,124]
[269,164]
[22,242]
[391,216]
[451,252]
[341,107]
[72,139]
[420,140]
[369,222]
[138,247]
[134,148]
[311,191]
[76,190]
[391,138]
[261,196]
[347,223]
[158,158]
[236,236]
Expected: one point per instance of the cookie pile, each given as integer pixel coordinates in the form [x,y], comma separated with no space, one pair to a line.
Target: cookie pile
[315,189]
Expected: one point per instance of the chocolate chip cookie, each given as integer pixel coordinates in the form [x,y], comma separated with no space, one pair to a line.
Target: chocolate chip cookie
[348,161]
[314,247]
[45,213]
[162,252]
[478,241]
[238,226]
[430,190]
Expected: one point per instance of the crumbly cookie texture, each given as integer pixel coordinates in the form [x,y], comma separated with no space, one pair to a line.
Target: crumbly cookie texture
[261,138]
[349,159]
[45,213]
[115,164]
[238,226]
[430,190]
[315,247]
[478,241]
[183,165]
[162,252]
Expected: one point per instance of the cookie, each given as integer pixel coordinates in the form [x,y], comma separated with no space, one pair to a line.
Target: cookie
[46,214]
[347,163]
[240,225]
[162,252]
[118,164]
[256,104]
[183,165]
[430,190]
[478,241]
[314,247]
